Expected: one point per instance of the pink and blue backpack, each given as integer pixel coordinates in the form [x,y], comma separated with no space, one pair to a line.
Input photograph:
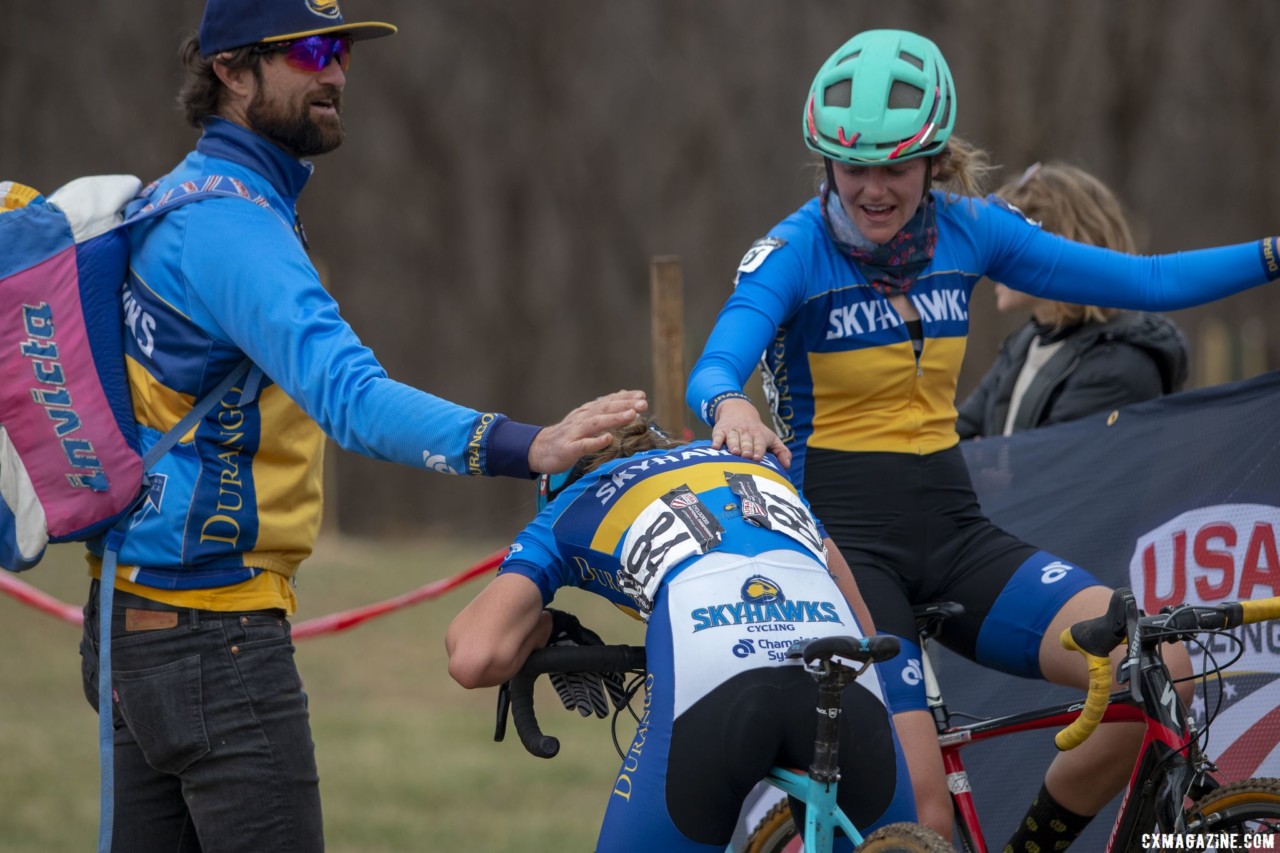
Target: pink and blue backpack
[70,464]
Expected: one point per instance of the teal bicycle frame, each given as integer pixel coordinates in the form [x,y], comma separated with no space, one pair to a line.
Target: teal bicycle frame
[817,790]
[821,816]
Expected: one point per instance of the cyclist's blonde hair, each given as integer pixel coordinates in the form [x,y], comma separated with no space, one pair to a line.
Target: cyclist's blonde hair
[636,437]
[962,168]
[1069,201]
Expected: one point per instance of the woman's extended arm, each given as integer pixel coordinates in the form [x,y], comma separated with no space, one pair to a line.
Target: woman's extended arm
[1035,261]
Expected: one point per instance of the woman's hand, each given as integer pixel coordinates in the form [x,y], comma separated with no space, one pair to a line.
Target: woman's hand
[739,428]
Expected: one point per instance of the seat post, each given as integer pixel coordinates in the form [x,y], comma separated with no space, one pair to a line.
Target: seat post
[929,619]
[932,690]
[832,678]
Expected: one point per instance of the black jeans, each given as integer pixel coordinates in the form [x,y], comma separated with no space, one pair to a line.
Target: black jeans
[213,748]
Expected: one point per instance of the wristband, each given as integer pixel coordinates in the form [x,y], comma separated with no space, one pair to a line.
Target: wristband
[709,407]
[1271,257]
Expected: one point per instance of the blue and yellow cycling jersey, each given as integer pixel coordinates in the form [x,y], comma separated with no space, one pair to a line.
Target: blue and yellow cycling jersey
[236,506]
[840,370]
[635,523]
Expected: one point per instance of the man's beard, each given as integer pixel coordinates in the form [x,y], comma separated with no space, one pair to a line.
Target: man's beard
[293,129]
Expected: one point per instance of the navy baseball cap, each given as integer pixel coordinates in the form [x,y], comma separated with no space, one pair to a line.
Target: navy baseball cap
[229,24]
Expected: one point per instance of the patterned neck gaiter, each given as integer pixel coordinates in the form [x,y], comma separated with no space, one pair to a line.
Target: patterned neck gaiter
[890,267]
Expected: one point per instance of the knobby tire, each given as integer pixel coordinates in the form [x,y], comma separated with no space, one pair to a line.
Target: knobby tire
[905,838]
[1248,807]
[776,833]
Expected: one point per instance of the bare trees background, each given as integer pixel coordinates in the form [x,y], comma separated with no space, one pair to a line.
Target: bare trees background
[512,167]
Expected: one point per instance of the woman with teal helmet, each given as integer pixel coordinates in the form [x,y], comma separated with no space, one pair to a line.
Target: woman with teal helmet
[886,96]
[858,302]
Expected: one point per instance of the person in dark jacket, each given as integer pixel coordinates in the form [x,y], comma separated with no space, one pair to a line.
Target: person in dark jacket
[1072,360]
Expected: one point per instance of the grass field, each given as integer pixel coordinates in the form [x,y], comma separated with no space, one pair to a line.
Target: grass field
[407,758]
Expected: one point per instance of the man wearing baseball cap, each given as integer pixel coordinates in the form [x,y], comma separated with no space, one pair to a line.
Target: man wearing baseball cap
[229,24]
[213,747]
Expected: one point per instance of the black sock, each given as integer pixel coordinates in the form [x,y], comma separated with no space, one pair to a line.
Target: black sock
[1047,827]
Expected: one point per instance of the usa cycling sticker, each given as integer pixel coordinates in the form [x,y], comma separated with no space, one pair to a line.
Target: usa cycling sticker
[759,250]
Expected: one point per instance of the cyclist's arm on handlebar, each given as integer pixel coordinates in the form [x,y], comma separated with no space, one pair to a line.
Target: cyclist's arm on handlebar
[491,637]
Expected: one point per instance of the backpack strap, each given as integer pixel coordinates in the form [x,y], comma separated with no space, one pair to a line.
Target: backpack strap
[252,374]
[198,411]
[106,705]
[211,186]
[107,583]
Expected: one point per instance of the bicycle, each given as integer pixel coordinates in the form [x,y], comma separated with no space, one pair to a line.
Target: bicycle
[1171,769]
[824,658]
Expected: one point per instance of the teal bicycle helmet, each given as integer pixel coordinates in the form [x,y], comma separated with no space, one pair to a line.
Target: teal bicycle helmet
[883,97]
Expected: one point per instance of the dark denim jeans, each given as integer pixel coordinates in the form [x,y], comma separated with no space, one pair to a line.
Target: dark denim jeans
[213,749]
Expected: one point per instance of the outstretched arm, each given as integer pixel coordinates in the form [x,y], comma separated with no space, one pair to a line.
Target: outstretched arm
[489,640]
[584,430]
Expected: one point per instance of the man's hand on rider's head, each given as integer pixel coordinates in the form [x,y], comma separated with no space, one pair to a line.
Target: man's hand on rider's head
[584,430]
[739,429]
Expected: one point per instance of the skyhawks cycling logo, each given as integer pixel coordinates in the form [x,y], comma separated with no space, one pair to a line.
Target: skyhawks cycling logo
[763,602]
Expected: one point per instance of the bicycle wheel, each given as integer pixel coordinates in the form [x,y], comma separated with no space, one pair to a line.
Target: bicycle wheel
[905,838]
[775,833]
[1249,807]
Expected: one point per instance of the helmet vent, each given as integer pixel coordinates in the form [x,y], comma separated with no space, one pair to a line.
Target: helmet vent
[838,94]
[848,57]
[905,96]
[914,60]
[946,113]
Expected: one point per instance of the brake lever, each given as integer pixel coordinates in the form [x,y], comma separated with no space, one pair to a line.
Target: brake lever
[1133,654]
[504,704]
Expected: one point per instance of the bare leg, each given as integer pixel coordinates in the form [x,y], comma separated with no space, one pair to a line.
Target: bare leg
[924,762]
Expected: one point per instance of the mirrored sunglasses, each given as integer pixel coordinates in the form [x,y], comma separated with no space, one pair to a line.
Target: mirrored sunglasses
[313,53]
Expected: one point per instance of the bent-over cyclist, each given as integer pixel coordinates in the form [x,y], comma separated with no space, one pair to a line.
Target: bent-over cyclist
[722,558]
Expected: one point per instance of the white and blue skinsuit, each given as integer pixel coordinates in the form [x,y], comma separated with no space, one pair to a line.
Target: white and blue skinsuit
[723,558]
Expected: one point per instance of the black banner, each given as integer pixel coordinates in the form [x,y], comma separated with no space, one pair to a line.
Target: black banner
[1177,498]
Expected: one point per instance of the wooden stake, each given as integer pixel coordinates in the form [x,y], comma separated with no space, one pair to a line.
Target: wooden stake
[666,305]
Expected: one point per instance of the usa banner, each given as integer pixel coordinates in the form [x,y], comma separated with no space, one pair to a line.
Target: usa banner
[1178,499]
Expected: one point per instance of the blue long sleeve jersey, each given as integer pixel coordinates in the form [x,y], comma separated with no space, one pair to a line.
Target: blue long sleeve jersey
[838,364]
[221,279]
[624,529]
